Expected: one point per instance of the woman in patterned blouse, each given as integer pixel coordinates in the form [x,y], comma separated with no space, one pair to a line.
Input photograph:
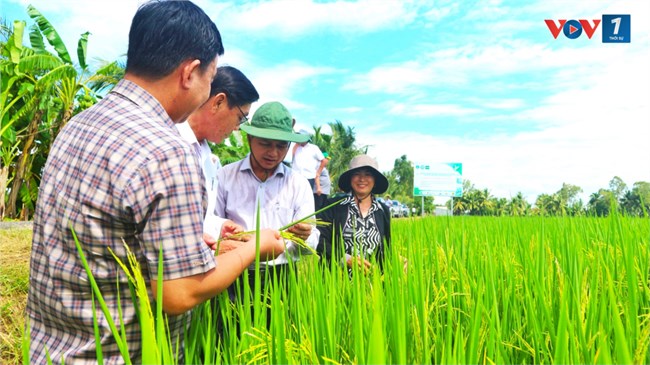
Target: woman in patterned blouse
[360,224]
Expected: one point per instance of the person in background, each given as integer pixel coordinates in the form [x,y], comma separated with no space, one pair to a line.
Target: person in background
[260,178]
[325,185]
[231,96]
[119,174]
[309,161]
[289,157]
[360,225]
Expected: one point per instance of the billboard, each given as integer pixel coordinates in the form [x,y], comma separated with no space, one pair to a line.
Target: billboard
[438,179]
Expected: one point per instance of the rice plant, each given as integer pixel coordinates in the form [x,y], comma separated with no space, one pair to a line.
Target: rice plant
[476,290]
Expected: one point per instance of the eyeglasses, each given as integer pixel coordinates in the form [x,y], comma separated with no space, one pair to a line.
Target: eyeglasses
[244,118]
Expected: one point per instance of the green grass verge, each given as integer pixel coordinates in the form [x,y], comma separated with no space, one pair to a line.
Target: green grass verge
[15,245]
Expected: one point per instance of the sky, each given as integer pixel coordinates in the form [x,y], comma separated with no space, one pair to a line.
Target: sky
[482,83]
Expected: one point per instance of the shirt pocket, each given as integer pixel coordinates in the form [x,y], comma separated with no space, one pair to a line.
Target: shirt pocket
[282,213]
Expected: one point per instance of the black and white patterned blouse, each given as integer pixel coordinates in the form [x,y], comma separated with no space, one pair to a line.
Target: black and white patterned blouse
[360,234]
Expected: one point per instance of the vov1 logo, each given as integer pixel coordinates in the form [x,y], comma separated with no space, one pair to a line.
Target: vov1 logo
[572,29]
[616,28]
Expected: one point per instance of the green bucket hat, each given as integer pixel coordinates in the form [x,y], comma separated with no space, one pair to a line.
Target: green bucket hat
[273,121]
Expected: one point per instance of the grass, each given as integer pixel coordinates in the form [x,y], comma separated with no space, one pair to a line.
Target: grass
[15,245]
[477,290]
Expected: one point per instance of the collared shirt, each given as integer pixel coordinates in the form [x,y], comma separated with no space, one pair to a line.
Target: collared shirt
[283,198]
[117,173]
[210,164]
[306,160]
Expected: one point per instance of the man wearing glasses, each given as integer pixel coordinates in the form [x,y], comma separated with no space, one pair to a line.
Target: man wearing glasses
[231,96]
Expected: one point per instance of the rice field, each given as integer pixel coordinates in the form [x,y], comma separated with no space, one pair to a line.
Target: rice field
[475,290]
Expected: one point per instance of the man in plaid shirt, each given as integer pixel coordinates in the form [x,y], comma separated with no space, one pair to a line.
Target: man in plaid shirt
[119,173]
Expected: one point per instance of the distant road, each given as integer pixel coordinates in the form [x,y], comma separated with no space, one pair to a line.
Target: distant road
[19,224]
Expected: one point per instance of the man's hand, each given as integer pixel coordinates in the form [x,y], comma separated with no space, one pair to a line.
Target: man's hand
[210,241]
[229,228]
[271,244]
[319,190]
[302,230]
[228,245]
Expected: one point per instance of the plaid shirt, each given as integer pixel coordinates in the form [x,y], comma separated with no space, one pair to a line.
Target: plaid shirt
[118,172]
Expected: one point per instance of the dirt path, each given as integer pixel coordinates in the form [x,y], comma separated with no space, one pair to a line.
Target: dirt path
[19,224]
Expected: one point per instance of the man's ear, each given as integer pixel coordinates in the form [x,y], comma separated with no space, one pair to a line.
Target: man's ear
[218,101]
[190,73]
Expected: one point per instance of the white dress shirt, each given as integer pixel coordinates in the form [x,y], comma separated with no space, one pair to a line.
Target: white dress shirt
[283,198]
[210,164]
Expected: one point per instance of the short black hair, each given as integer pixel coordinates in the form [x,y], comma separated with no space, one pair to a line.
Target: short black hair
[235,85]
[164,34]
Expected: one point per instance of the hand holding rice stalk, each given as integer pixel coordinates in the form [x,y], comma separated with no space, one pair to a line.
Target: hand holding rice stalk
[284,230]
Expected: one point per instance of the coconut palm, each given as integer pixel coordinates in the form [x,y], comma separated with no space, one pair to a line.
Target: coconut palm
[518,206]
[342,149]
[323,141]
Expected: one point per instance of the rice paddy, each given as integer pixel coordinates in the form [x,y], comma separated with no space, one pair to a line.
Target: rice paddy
[475,290]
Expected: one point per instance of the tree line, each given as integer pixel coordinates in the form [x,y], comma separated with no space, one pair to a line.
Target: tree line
[41,88]
[634,201]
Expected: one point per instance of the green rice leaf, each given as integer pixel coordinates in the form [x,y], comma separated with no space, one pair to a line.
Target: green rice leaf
[121,342]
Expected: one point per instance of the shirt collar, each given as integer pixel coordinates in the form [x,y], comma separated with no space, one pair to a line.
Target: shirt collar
[281,170]
[374,206]
[142,98]
[187,133]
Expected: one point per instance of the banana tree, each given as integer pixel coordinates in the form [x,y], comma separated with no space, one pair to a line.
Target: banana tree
[233,150]
[60,89]
[15,86]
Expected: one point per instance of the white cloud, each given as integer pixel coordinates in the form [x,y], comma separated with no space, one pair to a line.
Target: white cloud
[501,103]
[283,82]
[532,163]
[463,66]
[591,112]
[424,110]
[289,18]
[593,124]
[107,21]
[594,127]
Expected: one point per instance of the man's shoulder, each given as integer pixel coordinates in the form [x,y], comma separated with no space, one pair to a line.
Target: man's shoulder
[127,130]
[296,178]
[230,174]
[232,166]
[313,147]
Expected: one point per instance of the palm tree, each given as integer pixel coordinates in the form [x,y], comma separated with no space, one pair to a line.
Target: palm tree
[601,202]
[631,203]
[518,206]
[342,149]
[323,141]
